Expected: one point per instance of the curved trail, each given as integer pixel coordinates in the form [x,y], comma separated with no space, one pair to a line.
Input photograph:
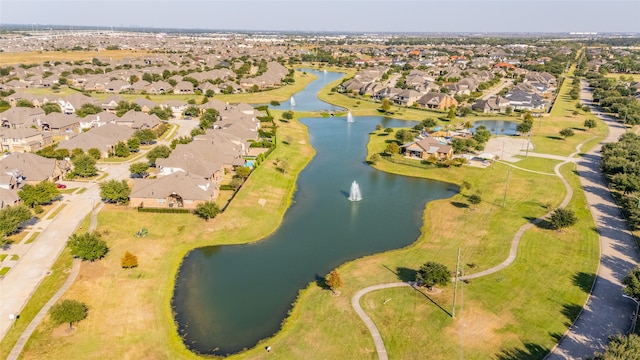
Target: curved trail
[513,252]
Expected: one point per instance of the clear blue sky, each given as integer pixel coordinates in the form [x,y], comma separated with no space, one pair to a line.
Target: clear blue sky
[334,15]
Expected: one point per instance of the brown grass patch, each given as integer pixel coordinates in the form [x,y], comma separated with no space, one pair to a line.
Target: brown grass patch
[63,331]
[479,329]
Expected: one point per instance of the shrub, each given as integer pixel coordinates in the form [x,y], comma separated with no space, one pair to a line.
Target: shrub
[129,261]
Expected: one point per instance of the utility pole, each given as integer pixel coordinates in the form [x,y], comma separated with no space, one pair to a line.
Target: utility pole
[506,187]
[455,287]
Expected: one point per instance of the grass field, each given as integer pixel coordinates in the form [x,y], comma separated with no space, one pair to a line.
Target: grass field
[514,314]
[42,56]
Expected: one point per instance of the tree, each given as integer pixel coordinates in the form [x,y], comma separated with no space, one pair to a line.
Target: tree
[525,126]
[386,105]
[451,115]
[392,148]
[48,108]
[87,246]
[68,311]
[287,115]
[192,111]
[145,136]
[404,136]
[282,166]
[114,191]
[207,210]
[10,219]
[88,109]
[566,132]
[84,166]
[160,151]
[162,114]
[474,199]
[561,218]
[94,153]
[429,123]
[41,193]
[590,123]
[121,149]
[621,347]
[432,273]
[508,111]
[243,171]
[129,261]
[139,168]
[632,284]
[333,281]
[133,144]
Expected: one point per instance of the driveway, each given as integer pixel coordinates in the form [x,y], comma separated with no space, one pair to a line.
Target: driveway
[606,312]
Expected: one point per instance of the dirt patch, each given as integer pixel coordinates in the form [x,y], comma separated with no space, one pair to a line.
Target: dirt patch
[91,269]
[478,328]
[63,331]
[506,147]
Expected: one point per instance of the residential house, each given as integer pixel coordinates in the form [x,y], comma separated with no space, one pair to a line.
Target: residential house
[71,103]
[21,117]
[158,87]
[138,120]
[494,104]
[406,97]
[28,168]
[103,138]
[59,123]
[437,101]
[177,190]
[183,87]
[111,103]
[117,86]
[427,147]
[145,104]
[97,120]
[23,139]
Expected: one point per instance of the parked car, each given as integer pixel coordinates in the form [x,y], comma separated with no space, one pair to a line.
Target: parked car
[61,186]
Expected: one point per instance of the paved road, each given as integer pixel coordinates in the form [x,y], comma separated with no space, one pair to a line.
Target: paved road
[606,311]
[495,90]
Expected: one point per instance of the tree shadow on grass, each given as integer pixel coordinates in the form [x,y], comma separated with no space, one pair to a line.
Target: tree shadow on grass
[460,205]
[540,223]
[321,282]
[530,351]
[555,137]
[406,274]
[570,311]
[584,281]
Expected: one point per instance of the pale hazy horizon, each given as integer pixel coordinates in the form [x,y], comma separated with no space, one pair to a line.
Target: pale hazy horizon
[427,16]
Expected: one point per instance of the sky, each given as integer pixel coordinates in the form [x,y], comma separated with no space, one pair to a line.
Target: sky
[369,16]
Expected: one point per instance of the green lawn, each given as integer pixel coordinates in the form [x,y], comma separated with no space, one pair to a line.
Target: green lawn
[32,237]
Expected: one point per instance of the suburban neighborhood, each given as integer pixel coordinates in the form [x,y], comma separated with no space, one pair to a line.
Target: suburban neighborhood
[139,167]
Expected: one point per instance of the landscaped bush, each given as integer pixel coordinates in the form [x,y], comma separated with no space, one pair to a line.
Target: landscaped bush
[165,210]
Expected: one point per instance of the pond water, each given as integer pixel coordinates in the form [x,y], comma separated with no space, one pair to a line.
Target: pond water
[497,127]
[227,298]
[307,100]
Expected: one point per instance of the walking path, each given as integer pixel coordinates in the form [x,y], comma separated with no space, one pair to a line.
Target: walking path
[606,311]
[75,269]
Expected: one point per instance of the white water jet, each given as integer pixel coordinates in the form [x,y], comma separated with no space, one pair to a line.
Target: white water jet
[292,101]
[325,71]
[349,117]
[354,194]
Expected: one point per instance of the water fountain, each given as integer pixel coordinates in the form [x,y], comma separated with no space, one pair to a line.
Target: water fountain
[325,71]
[354,194]
[349,117]
[292,101]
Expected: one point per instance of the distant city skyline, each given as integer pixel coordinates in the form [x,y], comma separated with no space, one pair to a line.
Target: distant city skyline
[470,16]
